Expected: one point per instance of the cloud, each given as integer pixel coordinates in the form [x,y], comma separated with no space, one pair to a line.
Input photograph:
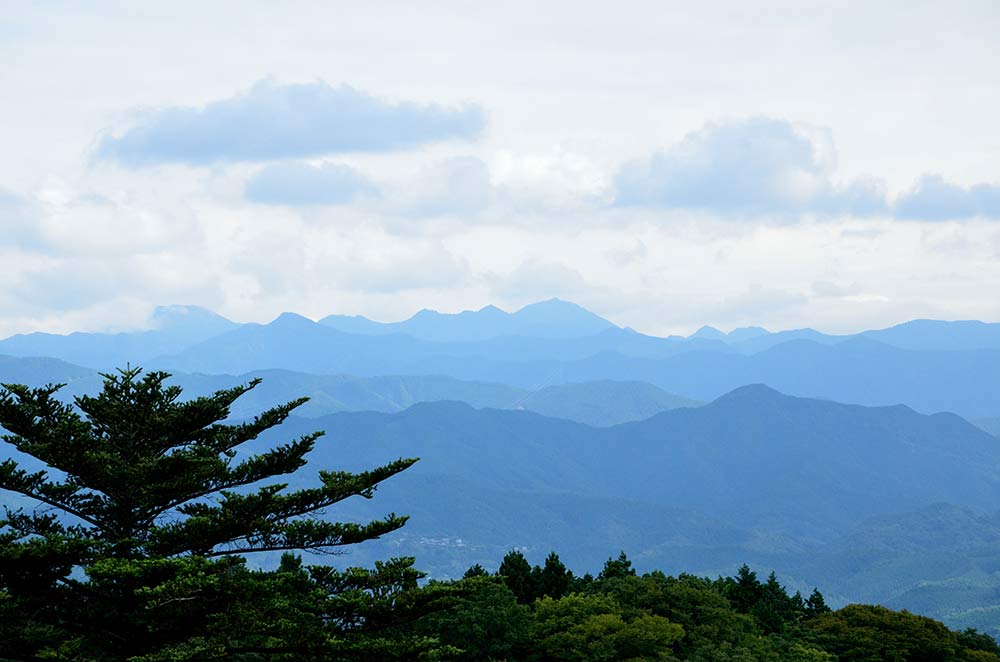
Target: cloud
[297,183]
[535,280]
[629,254]
[826,289]
[933,198]
[273,121]
[16,227]
[459,185]
[756,303]
[756,166]
[400,268]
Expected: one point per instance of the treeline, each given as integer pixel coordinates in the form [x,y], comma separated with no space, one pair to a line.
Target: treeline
[545,612]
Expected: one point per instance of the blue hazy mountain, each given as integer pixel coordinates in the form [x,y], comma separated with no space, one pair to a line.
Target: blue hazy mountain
[991,425]
[858,370]
[936,334]
[551,330]
[930,366]
[916,334]
[809,466]
[174,328]
[297,343]
[39,371]
[603,403]
[598,404]
[809,487]
[546,319]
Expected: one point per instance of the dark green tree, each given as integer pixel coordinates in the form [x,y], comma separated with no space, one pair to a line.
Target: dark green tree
[744,591]
[815,604]
[554,579]
[517,574]
[485,623]
[147,495]
[476,571]
[616,568]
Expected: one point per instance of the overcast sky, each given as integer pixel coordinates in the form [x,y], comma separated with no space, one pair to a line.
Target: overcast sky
[666,165]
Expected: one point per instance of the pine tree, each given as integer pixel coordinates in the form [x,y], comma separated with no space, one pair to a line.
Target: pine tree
[617,568]
[517,575]
[815,604]
[554,579]
[145,493]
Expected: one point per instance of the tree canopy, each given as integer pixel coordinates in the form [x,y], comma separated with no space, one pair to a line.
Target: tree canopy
[136,509]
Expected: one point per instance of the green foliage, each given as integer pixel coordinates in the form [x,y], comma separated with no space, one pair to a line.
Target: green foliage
[517,575]
[863,633]
[615,568]
[590,627]
[626,616]
[486,622]
[554,580]
[146,506]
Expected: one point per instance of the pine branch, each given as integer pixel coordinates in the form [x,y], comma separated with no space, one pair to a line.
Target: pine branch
[282,460]
[263,512]
[309,535]
[36,486]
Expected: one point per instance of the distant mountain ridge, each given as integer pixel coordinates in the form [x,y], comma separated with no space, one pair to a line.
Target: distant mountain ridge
[929,365]
[919,334]
[602,403]
[859,370]
[174,328]
[553,328]
[554,318]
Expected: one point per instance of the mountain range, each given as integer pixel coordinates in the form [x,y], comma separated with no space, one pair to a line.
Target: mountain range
[841,461]
[601,403]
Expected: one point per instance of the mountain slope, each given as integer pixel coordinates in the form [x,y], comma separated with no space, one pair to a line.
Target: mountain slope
[806,467]
[603,403]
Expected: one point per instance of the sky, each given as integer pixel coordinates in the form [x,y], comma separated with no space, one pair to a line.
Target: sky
[666,165]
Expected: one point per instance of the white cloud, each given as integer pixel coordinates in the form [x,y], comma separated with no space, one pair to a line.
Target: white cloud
[276,121]
[932,198]
[752,167]
[458,186]
[296,183]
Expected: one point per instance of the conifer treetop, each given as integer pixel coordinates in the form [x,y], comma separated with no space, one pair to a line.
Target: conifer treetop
[143,473]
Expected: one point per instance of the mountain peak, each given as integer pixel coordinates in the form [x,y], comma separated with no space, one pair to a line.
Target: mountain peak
[185,316]
[288,319]
[752,393]
[708,332]
[559,318]
[555,303]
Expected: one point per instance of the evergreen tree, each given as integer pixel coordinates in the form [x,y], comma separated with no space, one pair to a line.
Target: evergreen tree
[476,571]
[144,492]
[615,568]
[815,604]
[554,579]
[517,575]
[743,591]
